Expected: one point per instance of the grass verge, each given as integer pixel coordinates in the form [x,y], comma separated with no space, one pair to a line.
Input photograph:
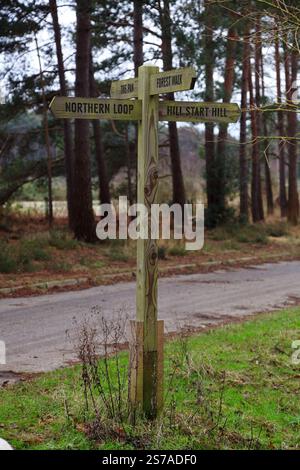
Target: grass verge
[234,387]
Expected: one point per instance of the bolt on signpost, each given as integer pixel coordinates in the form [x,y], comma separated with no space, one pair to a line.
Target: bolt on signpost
[146,352]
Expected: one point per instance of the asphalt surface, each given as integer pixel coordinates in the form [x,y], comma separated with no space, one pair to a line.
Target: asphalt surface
[37,330]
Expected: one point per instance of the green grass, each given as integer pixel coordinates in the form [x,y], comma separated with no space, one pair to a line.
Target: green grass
[20,259]
[118,255]
[33,253]
[120,250]
[91,263]
[232,387]
[177,250]
[248,233]
[62,240]
[7,261]
[59,266]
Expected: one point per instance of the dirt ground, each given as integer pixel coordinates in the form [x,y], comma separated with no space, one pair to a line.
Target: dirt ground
[62,264]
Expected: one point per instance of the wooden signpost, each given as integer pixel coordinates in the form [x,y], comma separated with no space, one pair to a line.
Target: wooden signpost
[146,355]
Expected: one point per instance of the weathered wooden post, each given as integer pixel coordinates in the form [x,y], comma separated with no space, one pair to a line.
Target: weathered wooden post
[147,378]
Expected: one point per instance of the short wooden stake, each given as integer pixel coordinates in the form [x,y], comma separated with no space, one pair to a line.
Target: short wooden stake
[136,364]
[145,389]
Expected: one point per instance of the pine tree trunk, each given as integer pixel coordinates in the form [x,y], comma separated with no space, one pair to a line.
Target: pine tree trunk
[47,139]
[258,118]
[104,192]
[138,56]
[84,223]
[209,127]
[138,59]
[167,57]
[68,145]
[223,128]
[256,195]
[128,158]
[269,189]
[293,200]
[244,204]
[280,124]
[268,178]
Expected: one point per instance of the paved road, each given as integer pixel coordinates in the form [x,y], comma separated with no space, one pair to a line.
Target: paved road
[34,329]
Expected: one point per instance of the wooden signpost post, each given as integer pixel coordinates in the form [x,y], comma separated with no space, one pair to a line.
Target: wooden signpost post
[146,361]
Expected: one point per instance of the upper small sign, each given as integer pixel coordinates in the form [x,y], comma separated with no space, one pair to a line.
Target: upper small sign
[94,108]
[124,88]
[198,112]
[173,80]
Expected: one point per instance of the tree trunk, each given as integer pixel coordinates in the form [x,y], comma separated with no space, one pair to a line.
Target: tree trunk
[268,178]
[167,57]
[244,205]
[138,56]
[68,146]
[209,127]
[280,124]
[138,59]
[293,200]
[49,211]
[256,195]
[128,147]
[223,128]
[84,226]
[104,192]
[258,118]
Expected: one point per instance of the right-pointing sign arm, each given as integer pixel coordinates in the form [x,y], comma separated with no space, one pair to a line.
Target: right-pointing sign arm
[198,112]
